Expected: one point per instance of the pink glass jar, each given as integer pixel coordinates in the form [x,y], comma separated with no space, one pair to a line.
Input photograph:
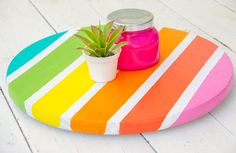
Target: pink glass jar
[142,49]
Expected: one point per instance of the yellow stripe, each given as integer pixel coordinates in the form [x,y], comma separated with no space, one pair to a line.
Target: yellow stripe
[102,106]
[51,106]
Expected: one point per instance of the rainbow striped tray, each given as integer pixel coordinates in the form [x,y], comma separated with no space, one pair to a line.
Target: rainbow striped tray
[49,81]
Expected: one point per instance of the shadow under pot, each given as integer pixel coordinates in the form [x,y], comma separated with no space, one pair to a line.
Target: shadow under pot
[142,49]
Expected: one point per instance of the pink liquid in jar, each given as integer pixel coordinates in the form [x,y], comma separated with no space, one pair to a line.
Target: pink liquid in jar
[142,49]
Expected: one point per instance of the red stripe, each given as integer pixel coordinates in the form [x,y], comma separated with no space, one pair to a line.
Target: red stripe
[151,110]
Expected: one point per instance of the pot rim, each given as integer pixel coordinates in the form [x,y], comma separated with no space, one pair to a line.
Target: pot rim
[102,59]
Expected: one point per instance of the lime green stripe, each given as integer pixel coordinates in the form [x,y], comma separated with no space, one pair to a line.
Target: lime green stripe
[37,76]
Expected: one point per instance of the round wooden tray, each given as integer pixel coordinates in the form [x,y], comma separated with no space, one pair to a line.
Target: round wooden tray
[49,81]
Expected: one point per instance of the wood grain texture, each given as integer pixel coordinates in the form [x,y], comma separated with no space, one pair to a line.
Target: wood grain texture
[22,23]
[64,15]
[166,16]
[209,16]
[40,136]
[229,4]
[225,114]
[203,135]
[223,31]
[11,138]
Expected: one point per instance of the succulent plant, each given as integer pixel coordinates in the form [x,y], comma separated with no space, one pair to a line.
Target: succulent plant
[101,40]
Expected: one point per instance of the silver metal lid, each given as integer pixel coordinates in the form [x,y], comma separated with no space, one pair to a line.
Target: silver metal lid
[132,19]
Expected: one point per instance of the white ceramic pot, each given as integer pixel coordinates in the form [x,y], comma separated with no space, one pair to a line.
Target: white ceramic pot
[102,69]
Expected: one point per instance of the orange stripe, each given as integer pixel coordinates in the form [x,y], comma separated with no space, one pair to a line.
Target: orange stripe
[151,110]
[95,114]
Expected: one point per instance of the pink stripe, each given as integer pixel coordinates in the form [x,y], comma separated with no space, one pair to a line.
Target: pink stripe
[218,82]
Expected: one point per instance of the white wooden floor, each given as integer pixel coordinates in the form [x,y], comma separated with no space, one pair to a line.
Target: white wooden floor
[25,21]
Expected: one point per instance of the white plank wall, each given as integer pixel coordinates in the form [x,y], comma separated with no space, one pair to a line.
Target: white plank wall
[229,4]
[45,139]
[201,136]
[20,26]
[209,16]
[225,113]
[11,138]
[168,17]
[64,15]
[23,22]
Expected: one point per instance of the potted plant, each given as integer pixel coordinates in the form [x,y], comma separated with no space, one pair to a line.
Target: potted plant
[101,50]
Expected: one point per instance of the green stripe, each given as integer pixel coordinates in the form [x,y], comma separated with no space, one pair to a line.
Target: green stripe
[31,51]
[38,75]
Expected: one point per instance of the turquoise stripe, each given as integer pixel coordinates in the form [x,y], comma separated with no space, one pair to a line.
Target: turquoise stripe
[31,51]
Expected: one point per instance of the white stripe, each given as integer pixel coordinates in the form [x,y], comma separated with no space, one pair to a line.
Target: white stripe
[40,56]
[192,88]
[52,83]
[65,118]
[113,124]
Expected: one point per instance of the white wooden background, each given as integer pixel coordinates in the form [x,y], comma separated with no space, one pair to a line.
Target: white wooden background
[25,21]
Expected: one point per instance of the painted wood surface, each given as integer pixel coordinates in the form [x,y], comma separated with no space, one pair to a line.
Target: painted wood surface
[64,96]
[39,14]
[219,113]
[40,138]
[40,135]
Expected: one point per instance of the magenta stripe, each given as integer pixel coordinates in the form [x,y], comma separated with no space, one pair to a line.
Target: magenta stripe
[220,77]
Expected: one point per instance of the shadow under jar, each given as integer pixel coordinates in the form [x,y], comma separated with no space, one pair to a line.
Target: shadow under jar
[142,49]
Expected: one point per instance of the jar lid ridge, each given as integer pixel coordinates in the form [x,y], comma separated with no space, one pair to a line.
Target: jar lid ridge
[132,19]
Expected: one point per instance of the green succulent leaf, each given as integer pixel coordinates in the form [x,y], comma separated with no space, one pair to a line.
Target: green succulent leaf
[89,34]
[119,45]
[91,52]
[114,37]
[108,28]
[100,40]
[87,42]
[102,51]
[95,31]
